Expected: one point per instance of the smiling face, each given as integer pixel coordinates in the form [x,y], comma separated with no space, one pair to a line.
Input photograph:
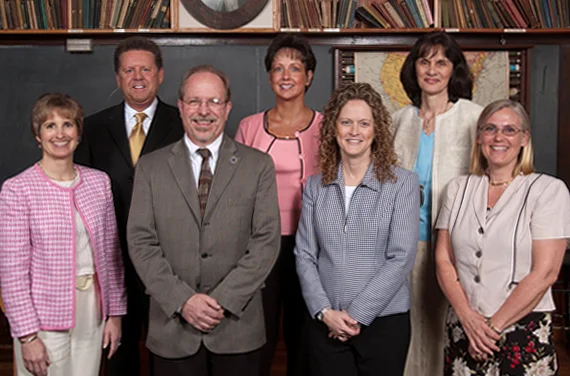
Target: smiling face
[58,137]
[138,78]
[433,72]
[502,151]
[355,130]
[203,108]
[288,77]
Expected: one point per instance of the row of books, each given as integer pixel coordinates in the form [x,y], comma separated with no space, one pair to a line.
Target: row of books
[389,14]
[404,14]
[84,14]
[502,14]
[318,13]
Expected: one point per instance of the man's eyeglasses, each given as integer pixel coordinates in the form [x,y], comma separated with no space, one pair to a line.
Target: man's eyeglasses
[211,103]
[507,130]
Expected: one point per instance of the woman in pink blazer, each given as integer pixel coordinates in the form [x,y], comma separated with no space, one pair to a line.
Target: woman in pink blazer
[61,270]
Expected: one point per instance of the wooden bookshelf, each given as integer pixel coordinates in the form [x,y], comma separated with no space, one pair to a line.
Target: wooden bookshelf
[272,18]
[80,16]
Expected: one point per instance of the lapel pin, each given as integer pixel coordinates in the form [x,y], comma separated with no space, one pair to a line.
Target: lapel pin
[233,159]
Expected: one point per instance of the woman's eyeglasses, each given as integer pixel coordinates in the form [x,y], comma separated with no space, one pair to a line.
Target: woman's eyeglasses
[507,130]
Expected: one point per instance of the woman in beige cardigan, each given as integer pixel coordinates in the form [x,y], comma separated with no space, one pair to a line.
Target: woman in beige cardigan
[501,239]
[433,137]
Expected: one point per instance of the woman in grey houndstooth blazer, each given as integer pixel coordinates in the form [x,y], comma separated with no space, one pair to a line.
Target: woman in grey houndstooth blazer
[356,241]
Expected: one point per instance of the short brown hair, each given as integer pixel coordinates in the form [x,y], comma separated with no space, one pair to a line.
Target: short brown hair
[206,68]
[62,104]
[383,155]
[140,44]
[479,164]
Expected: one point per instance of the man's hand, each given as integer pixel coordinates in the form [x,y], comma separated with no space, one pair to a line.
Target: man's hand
[35,357]
[202,312]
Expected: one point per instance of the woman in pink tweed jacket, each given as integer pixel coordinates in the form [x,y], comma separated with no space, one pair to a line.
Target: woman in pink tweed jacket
[61,270]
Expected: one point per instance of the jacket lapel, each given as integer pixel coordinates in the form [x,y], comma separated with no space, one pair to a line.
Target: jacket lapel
[159,128]
[479,201]
[227,164]
[117,129]
[182,170]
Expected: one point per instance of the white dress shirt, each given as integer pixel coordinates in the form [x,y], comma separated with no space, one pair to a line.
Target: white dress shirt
[131,120]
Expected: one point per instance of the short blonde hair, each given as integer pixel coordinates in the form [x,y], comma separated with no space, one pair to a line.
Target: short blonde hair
[61,104]
[479,164]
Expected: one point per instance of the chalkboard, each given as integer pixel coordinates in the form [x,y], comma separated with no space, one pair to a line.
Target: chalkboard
[29,71]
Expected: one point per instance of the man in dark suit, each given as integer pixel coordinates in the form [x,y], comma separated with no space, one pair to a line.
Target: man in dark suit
[203,234]
[112,141]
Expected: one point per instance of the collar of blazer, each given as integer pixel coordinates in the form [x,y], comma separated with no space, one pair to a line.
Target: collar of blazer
[369,180]
[156,134]
[226,166]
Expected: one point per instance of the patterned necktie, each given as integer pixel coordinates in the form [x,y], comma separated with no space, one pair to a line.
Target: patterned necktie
[205,179]
[136,139]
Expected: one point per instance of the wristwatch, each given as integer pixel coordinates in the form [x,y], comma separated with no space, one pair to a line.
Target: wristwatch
[321,314]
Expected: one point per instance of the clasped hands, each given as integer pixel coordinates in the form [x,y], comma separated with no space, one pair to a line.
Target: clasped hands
[482,338]
[341,325]
[202,312]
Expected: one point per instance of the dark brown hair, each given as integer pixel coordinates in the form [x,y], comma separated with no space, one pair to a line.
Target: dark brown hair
[296,42]
[461,81]
[137,43]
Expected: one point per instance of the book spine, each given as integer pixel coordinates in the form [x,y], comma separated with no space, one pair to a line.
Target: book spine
[3,14]
[513,11]
[25,16]
[84,14]
[428,12]
[18,13]
[129,14]
[138,13]
[394,12]
[363,15]
[407,14]
[378,16]
[422,13]
[161,13]
[460,15]
[122,14]
[55,13]
[411,5]
[545,13]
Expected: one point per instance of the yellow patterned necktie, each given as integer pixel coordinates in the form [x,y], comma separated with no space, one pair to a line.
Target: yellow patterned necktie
[136,139]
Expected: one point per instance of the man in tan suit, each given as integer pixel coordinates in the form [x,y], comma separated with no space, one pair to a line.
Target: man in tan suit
[203,234]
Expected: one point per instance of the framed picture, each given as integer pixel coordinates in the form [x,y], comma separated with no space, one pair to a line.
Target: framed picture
[497,74]
[224,14]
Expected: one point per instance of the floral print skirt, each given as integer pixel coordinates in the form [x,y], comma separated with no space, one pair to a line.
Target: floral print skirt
[526,349]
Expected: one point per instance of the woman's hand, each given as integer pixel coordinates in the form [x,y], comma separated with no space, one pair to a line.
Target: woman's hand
[112,335]
[478,356]
[35,357]
[341,325]
[481,337]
